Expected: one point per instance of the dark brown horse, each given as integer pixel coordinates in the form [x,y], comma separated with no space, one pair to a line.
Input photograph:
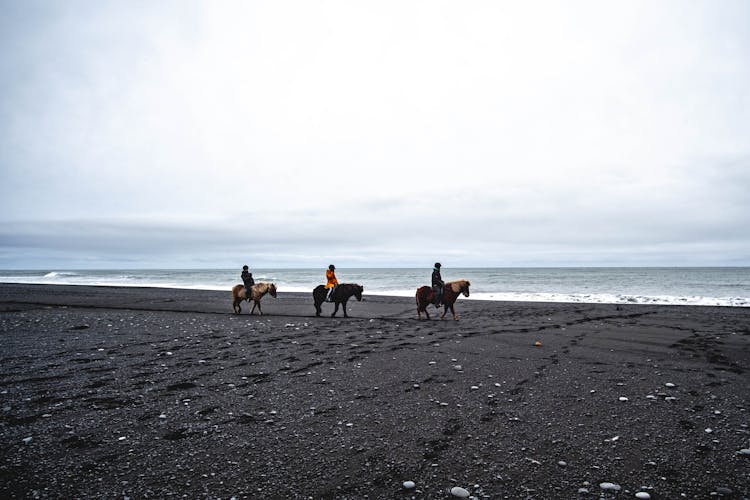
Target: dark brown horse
[341,295]
[451,291]
[257,291]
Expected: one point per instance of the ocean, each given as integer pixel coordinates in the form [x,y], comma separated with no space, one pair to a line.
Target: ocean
[709,286]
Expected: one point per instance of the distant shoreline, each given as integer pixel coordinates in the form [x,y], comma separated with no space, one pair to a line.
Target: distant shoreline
[489,297]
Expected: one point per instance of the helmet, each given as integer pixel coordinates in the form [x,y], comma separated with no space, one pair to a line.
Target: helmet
[331,267]
[244,268]
[437,265]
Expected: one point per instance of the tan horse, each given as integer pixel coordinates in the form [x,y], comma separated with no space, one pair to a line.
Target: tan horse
[451,291]
[257,291]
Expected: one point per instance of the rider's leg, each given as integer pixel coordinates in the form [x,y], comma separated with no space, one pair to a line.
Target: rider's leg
[438,297]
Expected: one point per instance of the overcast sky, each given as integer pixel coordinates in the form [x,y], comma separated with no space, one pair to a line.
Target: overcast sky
[214,134]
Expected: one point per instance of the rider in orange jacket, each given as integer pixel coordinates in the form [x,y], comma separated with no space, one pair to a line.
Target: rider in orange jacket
[331,281]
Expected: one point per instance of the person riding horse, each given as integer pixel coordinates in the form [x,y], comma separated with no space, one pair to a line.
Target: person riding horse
[331,282]
[437,284]
[247,280]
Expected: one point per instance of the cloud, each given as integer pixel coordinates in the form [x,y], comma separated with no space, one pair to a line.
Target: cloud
[495,133]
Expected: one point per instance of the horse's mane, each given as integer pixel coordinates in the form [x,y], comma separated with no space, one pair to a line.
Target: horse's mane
[260,289]
[348,285]
[458,285]
[262,286]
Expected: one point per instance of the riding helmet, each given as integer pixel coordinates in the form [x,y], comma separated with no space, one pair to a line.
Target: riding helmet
[331,267]
[437,265]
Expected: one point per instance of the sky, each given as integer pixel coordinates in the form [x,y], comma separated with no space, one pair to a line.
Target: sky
[187,134]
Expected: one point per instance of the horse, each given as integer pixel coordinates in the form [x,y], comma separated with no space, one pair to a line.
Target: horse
[341,295]
[257,291]
[451,291]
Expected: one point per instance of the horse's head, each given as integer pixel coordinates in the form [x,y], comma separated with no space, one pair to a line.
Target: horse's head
[465,288]
[358,289]
[272,290]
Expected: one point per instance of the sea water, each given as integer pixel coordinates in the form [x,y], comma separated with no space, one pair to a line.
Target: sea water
[720,286]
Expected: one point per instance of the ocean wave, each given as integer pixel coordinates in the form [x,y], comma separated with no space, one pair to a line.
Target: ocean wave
[614,299]
[59,274]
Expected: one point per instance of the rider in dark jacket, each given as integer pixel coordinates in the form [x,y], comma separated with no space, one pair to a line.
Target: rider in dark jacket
[437,284]
[247,280]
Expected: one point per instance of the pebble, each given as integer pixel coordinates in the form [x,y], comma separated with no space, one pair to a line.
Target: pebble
[27,440]
[474,387]
[721,490]
[669,384]
[609,486]
[537,344]
[744,451]
[583,490]
[642,495]
[562,463]
[623,398]
[162,416]
[459,492]
[409,485]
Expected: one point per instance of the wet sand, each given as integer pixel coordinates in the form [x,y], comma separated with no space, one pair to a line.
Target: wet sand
[157,393]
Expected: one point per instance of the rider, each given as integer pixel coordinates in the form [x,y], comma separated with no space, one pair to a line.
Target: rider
[331,281]
[437,284]
[247,280]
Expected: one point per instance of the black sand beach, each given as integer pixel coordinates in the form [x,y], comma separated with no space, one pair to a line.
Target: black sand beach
[157,393]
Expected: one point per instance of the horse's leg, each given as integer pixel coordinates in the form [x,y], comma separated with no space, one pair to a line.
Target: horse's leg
[253,309]
[445,311]
[455,318]
[335,310]
[343,304]
[317,308]
[259,309]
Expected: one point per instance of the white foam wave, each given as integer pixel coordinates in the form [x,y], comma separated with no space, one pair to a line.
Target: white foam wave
[59,274]
[605,298]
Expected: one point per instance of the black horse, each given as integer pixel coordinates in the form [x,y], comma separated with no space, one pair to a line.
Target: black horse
[341,295]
